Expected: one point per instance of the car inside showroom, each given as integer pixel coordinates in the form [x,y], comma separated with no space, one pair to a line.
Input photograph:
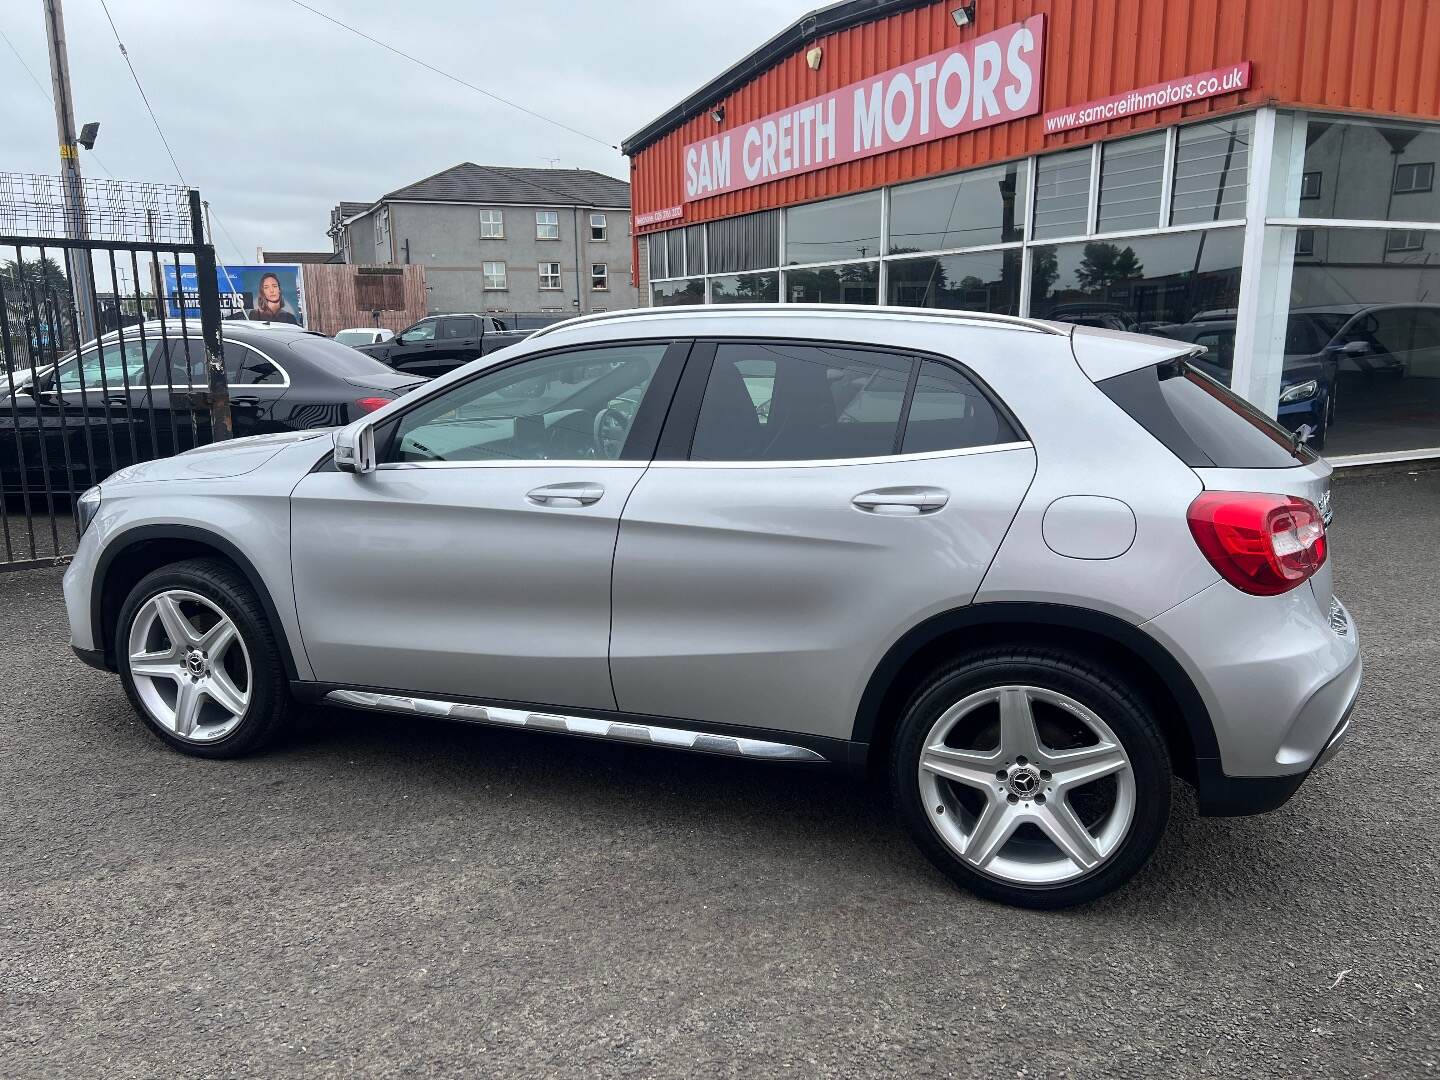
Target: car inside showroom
[1249,198]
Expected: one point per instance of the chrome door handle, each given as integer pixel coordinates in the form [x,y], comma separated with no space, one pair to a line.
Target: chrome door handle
[901,500]
[563,495]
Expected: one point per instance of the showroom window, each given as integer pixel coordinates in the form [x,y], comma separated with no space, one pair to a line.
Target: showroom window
[1132,176]
[745,288]
[833,230]
[1062,194]
[694,250]
[850,283]
[983,281]
[966,210]
[1145,283]
[670,293]
[750,242]
[1212,171]
[675,251]
[1346,152]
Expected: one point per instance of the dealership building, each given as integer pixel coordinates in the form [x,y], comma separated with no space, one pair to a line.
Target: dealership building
[1255,177]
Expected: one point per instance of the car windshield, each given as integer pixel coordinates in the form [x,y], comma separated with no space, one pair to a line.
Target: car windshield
[336,358]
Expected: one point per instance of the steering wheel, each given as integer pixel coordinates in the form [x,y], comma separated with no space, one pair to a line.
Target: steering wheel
[611,428]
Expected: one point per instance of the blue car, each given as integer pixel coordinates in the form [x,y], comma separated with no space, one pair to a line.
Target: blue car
[1307,379]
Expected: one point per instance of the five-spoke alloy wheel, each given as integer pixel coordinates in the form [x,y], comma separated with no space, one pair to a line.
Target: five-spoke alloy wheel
[200,661]
[190,668]
[1032,776]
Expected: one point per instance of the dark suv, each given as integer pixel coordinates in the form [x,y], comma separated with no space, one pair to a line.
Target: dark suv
[441,343]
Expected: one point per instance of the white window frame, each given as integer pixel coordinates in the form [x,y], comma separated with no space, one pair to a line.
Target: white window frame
[1416,167]
[382,224]
[541,225]
[603,227]
[498,224]
[503,275]
[558,276]
[603,277]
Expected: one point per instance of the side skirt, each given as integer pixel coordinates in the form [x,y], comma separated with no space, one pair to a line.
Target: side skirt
[752,744]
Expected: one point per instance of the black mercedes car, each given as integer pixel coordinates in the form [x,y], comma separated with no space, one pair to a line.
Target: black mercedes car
[142,392]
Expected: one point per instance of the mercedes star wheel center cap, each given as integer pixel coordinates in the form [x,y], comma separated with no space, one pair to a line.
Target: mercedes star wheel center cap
[1024,781]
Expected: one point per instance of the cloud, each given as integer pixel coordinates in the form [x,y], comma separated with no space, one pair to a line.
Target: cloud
[276,114]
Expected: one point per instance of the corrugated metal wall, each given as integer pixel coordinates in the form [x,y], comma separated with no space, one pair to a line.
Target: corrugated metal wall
[1380,56]
[330,304]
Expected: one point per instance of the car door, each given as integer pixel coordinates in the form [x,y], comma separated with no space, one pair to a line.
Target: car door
[257,383]
[179,395]
[474,562]
[810,504]
[91,414]
[457,341]
[411,350]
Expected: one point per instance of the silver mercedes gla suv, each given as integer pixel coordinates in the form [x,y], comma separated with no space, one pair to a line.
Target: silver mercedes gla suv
[1026,572]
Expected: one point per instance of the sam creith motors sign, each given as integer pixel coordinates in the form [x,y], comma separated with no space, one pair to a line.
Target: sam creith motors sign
[989,80]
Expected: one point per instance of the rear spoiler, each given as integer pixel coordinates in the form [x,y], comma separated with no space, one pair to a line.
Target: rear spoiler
[1102,354]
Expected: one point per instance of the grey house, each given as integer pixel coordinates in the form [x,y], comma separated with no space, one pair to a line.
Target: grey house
[493,238]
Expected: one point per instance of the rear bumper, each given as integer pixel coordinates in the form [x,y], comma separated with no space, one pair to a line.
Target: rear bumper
[1279,678]
[1219,795]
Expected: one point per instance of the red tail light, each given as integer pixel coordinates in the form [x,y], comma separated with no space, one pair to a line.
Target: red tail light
[1261,544]
[370,404]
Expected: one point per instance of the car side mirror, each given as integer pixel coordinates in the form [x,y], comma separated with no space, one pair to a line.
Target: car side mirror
[1356,348]
[355,448]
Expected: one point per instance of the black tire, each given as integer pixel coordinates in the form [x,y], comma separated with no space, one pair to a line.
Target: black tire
[221,583]
[1088,683]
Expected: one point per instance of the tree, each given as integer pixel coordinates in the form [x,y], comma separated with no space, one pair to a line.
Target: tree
[1103,265]
[1045,268]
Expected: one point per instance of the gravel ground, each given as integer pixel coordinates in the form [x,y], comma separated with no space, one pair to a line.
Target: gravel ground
[394,897]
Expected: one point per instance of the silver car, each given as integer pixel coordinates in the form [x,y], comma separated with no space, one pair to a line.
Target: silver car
[1026,571]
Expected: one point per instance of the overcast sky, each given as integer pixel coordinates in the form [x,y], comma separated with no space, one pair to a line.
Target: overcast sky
[276,115]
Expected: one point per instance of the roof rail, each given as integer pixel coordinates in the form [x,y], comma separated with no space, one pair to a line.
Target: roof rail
[853,310]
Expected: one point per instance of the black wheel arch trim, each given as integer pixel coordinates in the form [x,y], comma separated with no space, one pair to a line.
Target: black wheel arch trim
[1192,707]
[145,533]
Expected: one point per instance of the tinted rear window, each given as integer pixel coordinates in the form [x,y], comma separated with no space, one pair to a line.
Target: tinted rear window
[335,358]
[1202,422]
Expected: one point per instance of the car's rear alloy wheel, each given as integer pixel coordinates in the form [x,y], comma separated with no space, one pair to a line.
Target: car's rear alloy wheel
[982,794]
[1032,778]
[200,661]
[191,670]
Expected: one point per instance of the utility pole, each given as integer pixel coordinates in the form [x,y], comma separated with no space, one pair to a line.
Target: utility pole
[77,260]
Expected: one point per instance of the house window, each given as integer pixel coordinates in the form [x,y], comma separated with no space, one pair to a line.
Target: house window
[1310,185]
[1405,240]
[1305,239]
[597,226]
[495,275]
[382,225]
[599,277]
[550,276]
[547,225]
[1417,176]
[492,225]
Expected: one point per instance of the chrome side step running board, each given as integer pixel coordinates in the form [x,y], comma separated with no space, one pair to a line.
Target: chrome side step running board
[613,730]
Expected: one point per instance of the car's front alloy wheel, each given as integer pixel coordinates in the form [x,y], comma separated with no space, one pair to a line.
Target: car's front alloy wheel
[1032,777]
[191,670]
[200,661]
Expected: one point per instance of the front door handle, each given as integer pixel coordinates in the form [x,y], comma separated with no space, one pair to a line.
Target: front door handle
[566,495]
[901,500]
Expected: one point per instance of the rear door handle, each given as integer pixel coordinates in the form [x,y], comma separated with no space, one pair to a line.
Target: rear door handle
[566,495]
[901,500]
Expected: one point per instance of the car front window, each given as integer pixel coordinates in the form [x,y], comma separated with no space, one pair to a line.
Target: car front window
[568,406]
